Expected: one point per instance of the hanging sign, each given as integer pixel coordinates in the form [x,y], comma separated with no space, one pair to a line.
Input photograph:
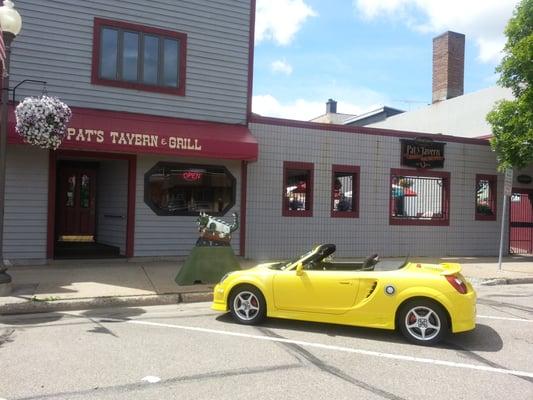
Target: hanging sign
[422,153]
[526,179]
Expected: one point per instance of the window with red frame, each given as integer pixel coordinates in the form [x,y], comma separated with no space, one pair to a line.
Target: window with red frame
[486,197]
[138,57]
[419,197]
[297,189]
[345,191]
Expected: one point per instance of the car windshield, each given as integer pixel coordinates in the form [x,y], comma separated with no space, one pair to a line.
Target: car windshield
[287,264]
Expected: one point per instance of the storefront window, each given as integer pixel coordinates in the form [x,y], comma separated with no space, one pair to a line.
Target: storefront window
[297,189]
[419,197]
[486,197]
[345,191]
[187,189]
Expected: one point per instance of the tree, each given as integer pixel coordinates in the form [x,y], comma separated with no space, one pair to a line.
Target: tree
[512,121]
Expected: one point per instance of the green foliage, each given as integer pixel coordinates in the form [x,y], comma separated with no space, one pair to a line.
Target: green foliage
[512,121]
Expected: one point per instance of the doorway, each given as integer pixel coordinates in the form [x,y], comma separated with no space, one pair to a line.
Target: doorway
[91,204]
[521,222]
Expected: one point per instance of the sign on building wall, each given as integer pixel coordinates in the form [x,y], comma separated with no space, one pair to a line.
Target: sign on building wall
[422,153]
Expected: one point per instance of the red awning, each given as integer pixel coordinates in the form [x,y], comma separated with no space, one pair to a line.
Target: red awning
[111,131]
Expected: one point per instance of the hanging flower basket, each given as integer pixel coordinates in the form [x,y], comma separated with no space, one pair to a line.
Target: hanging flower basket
[42,121]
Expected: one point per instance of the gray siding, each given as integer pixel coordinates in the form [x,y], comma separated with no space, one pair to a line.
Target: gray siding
[26,202]
[112,203]
[163,236]
[56,41]
[271,235]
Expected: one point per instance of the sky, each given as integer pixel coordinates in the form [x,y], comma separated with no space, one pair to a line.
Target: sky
[366,53]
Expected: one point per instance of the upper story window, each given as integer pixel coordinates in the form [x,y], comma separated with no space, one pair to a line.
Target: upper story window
[297,189]
[419,197]
[486,197]
[138,57]
[345,191]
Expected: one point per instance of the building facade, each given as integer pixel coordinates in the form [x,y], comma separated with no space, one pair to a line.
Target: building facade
[160,94]
[162,130]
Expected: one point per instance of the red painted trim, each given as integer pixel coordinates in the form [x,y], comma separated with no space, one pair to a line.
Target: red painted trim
[446,200]
[364,130]
[51,222]
[356,171]
[244,192]
[493,190]
[96,80]
[251,46]
[132,183]
[309,191]
[130,223]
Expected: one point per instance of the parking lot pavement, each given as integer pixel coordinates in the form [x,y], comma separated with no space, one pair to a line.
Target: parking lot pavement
[158,352]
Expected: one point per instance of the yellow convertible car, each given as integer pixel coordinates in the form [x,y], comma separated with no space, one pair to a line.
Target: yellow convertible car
[425,301]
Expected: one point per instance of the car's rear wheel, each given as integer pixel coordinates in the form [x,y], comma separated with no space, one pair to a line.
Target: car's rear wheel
[247,305]
[423,322]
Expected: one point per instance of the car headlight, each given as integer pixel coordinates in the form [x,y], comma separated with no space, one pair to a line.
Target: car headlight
[224,277]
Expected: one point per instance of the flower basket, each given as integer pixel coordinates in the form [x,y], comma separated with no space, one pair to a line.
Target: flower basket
[42,121]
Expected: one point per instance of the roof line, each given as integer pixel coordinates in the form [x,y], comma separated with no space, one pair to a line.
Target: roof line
[365,130]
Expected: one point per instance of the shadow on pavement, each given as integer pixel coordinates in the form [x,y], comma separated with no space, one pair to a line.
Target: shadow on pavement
[32,319]
[110,315]
[483,338]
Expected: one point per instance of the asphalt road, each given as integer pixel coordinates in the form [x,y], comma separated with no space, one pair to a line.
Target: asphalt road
[186,351]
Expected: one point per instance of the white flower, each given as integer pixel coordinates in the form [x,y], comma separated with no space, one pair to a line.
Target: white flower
[43,121]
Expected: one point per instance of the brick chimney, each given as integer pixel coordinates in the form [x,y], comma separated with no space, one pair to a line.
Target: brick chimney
[448,66]
[331,107]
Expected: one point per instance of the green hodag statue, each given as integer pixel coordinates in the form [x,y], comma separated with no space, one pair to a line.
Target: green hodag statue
[212,257]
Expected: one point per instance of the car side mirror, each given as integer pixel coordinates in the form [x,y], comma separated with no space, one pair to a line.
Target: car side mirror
[299,269]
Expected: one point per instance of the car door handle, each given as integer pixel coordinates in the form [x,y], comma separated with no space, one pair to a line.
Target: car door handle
[345,282]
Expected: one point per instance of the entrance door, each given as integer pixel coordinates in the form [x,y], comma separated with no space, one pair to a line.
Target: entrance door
[521,223]
[76,202]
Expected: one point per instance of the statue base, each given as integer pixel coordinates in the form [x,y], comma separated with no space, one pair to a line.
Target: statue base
[206,265]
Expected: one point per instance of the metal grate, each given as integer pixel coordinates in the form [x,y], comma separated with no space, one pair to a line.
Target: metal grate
[418,198]
[521,224]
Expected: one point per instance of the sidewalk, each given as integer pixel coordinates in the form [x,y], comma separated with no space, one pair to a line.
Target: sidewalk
[84,284]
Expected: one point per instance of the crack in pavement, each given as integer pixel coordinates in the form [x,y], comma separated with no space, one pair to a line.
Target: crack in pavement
[474,356]
[165,382]
[487,302]
[6,336]
[297,351]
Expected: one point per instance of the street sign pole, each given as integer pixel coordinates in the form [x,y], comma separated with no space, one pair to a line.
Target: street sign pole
[507,191]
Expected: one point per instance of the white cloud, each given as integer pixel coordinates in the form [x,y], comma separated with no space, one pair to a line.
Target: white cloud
[281,66]
[481,20]
[280,20]
[301,109]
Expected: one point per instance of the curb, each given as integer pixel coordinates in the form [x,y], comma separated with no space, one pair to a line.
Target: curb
[505,281]
[30,307]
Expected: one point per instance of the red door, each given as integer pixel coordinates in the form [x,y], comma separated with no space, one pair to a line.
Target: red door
[521,223]
[76,202]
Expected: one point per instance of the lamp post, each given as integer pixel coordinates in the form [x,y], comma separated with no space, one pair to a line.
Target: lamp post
[10,22]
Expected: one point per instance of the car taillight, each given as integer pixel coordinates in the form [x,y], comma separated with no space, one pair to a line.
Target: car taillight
[457,283]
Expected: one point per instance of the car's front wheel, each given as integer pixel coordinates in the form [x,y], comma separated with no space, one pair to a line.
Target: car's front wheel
[247,305]
[423,322]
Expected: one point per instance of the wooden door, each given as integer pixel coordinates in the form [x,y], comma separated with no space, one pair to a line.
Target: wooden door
[76,202]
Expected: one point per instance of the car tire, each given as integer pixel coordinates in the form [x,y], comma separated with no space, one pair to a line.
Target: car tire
[247,305]
[423,322]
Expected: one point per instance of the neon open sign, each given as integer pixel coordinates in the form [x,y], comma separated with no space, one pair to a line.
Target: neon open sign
[192,176]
